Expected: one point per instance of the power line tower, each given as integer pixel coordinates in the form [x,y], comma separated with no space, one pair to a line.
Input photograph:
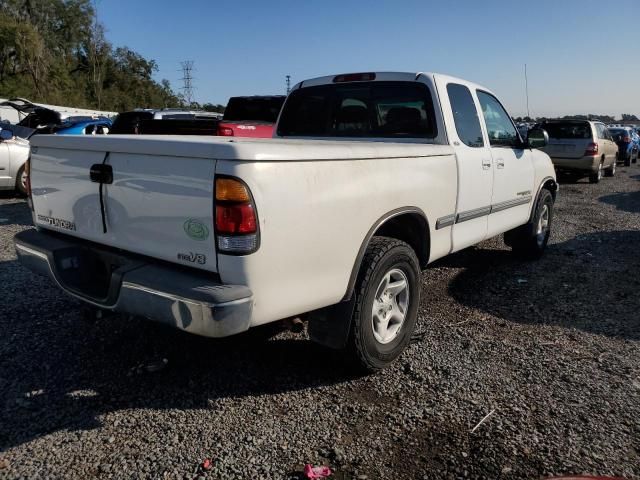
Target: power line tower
[288,84]
[187,80]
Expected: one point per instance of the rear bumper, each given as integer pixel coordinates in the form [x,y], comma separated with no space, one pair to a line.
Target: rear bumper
[584,164]
[189,300]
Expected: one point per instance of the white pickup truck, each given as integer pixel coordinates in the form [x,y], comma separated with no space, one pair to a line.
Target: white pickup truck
[368,179]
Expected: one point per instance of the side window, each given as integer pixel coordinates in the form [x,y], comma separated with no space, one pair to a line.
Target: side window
[501,131]
[465,115]
[602,134]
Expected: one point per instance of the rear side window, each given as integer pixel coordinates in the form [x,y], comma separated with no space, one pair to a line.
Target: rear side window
[568,130]
[465,115]
[362,109]
[257,109]
[602,131]
[500,129]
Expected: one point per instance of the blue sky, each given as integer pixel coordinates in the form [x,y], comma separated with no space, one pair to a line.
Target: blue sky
[573,48]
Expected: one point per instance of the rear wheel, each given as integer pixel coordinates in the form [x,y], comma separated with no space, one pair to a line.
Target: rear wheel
[611,171]
[530,240]
[627,160]
[387,299]
[595,177]
[21,181]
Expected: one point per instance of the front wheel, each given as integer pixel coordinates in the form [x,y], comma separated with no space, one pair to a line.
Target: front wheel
[530,240]
[596,176]
[611,171]
[387,299]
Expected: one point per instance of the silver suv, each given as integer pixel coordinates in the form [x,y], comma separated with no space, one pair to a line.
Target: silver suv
[580,148]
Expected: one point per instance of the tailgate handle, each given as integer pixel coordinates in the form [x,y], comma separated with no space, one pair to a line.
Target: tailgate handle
[101,173]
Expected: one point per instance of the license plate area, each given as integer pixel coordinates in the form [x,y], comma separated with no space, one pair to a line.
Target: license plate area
[91,274]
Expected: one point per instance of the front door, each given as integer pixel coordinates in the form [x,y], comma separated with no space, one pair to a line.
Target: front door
[513,189]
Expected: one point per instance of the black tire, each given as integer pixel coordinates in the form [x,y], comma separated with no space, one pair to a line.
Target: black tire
[383,257]
[627,161]
[596,176]
[21,187]
[611,171]
[529,241]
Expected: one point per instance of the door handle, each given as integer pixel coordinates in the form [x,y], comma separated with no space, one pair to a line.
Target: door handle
[500,163]
[486,163]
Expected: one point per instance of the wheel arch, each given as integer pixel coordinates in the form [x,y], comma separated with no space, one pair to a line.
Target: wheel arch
[548,183]
[409,224]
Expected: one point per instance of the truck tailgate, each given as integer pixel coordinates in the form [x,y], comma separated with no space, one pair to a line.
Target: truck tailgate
[157,205]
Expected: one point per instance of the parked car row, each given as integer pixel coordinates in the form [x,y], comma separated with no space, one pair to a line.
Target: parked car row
[589,148]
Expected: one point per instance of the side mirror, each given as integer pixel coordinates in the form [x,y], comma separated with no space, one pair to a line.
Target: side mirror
[538,138]
[5,134]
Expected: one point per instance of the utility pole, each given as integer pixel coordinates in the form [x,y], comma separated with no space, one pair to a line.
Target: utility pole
[288,84]
[526,89]
[187,81]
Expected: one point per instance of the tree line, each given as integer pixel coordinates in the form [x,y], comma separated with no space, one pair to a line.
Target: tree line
[56,52]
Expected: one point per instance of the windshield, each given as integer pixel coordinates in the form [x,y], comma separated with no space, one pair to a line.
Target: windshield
[259,109]
[568,130]
[362,109]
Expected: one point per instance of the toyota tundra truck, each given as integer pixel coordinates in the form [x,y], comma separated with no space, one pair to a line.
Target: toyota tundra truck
[368,179]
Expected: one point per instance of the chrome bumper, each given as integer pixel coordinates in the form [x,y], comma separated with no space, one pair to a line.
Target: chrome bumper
[188,300]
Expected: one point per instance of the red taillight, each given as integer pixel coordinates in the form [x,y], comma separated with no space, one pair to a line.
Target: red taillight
[225,131]
[626,139]
[235,219]
[592,149]
[354,77]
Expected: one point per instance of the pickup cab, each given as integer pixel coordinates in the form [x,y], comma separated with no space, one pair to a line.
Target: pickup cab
[368,179]
[251,117]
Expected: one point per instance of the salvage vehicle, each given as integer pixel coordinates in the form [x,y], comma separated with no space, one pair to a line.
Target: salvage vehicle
[167,121]
[252,117]
[580,148]
[14,152]
[627,144]
[368,179]
[38,120]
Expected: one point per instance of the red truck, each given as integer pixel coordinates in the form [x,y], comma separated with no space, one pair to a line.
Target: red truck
[253,116]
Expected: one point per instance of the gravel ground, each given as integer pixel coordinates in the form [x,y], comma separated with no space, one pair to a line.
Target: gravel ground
[550,349]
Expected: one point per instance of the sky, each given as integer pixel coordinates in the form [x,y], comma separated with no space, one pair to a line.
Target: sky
[581,57]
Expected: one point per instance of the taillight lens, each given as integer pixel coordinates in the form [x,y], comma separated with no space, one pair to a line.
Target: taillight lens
[592,149]
[225,132]
[236,219]
[626,139]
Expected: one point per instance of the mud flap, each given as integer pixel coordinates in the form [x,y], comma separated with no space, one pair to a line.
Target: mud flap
[330,326]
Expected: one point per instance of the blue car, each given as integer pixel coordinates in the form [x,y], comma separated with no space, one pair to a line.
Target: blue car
[75,126]
[628,143]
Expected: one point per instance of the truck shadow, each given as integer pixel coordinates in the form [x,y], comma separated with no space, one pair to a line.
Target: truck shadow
[15,213]
[589,283]
[60,372]
[625,201]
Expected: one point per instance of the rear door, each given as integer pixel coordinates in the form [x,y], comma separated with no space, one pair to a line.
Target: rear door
[512,168]
[475,175]
[606,143]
